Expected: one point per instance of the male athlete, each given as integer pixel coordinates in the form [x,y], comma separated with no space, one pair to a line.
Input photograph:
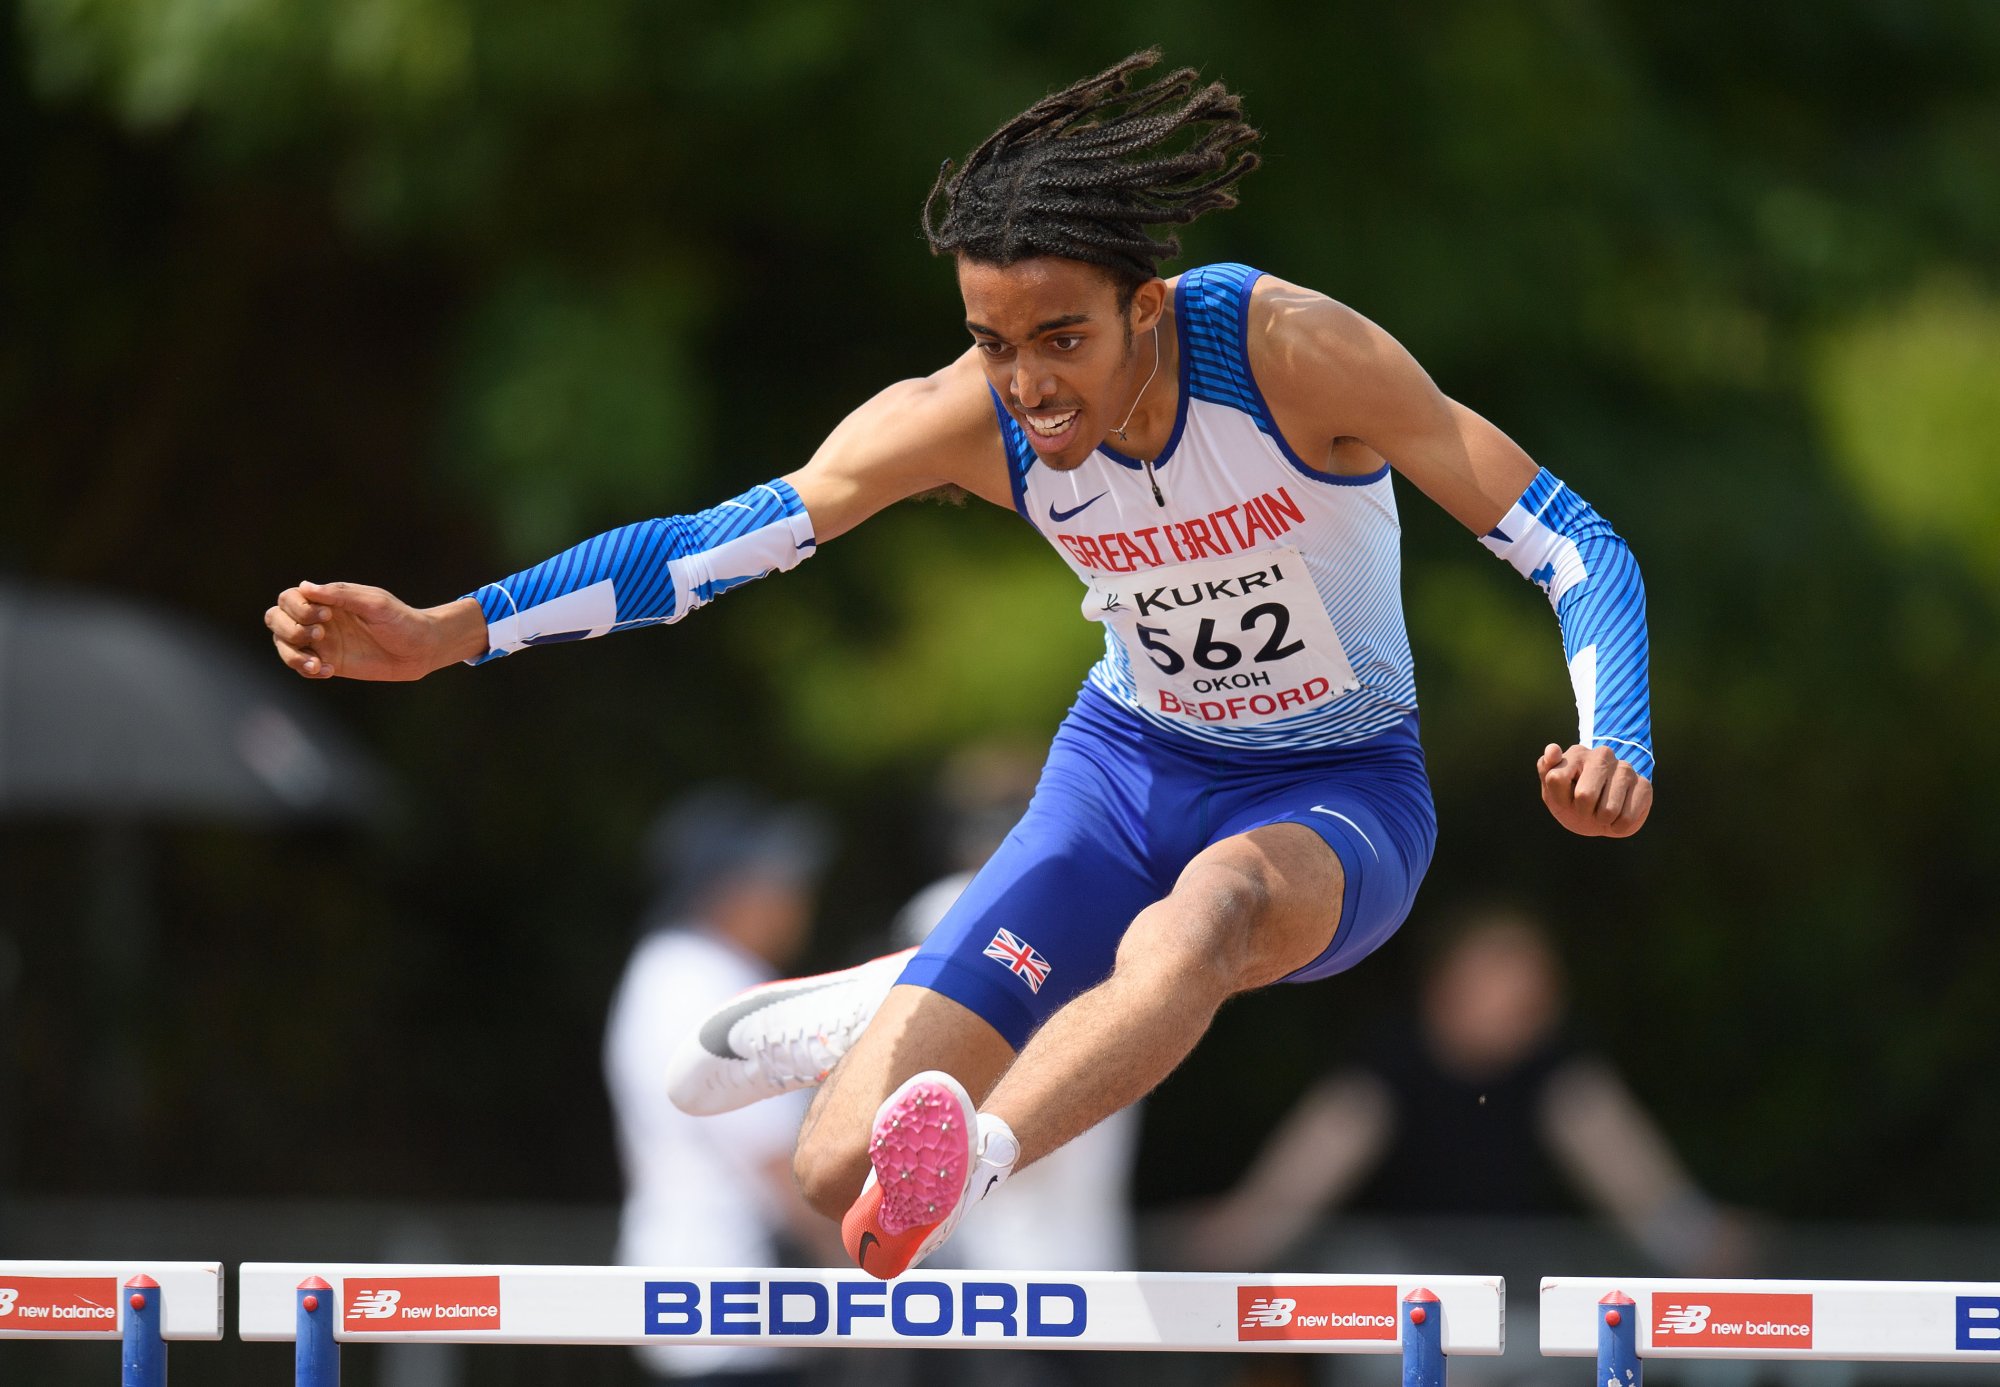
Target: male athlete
[1237,797]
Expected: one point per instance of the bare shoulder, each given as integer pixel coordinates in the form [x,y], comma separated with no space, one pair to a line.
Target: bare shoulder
[1341,387]
[1301,339]
[917,435]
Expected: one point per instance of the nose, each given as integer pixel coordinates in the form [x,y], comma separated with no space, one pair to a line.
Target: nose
[1032,385]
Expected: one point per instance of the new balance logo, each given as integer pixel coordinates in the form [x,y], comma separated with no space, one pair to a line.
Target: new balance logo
[1268,1313]
[59,1305]
[419,1302]
[1683,1319]
[375,1305]
[1276,1313]
[1750,1319]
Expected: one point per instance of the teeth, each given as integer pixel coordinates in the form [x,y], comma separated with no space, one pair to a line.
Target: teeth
[1049,428]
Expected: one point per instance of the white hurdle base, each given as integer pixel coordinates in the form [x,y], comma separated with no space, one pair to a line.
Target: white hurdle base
[84,1300]
[1249,1313]
[1857,1321]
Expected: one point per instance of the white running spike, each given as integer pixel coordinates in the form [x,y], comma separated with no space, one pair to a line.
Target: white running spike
[777,1037]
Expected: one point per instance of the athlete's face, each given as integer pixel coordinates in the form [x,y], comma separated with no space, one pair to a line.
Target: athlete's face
[1065,360]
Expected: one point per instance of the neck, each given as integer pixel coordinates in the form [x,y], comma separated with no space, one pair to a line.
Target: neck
[1154,395]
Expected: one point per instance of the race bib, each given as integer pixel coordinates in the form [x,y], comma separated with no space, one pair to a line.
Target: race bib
[1238,641]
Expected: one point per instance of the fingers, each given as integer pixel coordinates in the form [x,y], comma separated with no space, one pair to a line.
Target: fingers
[1557,769]
[303,661]
[310,618]
[301,608]
[1638,804]
[296,628]
[359,598]
[1594,781]
[292,631]
[1591,792]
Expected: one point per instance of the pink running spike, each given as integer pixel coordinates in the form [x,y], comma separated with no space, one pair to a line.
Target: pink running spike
[921,1151]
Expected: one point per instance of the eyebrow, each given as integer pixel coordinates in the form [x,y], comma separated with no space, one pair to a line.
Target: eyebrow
[1067,320]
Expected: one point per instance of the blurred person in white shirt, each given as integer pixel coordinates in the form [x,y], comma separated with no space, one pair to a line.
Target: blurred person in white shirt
[735,878]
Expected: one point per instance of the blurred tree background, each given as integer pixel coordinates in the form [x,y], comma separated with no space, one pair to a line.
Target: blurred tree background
[417,291]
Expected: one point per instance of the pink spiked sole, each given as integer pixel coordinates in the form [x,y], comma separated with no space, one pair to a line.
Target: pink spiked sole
[921,1151]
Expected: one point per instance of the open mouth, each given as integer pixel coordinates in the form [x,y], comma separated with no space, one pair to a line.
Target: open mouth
[1051,433]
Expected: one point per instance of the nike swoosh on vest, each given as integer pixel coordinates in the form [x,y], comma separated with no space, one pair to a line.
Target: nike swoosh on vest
[1061,515]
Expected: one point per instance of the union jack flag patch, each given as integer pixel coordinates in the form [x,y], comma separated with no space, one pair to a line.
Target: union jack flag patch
[1010,949]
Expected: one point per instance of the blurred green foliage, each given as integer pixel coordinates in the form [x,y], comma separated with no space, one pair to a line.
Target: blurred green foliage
[1907,398]
[415,291]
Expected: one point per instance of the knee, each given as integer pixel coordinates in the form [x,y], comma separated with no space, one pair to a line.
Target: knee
[1206,929]
[1223,907]
[1231,901]
[829,1174]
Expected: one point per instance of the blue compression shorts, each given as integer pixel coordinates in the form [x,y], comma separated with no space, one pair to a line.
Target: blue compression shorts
[1120,811]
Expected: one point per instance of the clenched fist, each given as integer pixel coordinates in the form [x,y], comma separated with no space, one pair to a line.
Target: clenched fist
[360,632]
[1592,792]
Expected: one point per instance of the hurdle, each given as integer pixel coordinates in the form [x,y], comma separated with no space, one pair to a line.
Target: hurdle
[142,1304]
[1623,1322]
[321,1306]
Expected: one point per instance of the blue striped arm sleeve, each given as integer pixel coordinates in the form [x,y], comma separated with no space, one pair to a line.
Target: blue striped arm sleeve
[647,574]
[1557,542]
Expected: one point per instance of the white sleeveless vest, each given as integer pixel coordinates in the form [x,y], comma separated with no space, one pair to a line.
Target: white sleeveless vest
[1256,602]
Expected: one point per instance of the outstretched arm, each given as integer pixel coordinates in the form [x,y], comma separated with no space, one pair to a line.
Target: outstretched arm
[913,437]
[1342,378]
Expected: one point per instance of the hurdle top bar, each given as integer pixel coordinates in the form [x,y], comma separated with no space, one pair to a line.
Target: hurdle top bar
[88,1300]
[1887,1321]
[1248,1313]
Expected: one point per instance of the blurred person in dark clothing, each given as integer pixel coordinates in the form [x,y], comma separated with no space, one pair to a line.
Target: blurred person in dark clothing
[734,878]
[1485,1103]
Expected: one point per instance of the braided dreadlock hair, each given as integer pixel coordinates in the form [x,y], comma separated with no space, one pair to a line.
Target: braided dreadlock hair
[1078,177]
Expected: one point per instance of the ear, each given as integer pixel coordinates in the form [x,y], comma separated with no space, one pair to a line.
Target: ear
[1149,304]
